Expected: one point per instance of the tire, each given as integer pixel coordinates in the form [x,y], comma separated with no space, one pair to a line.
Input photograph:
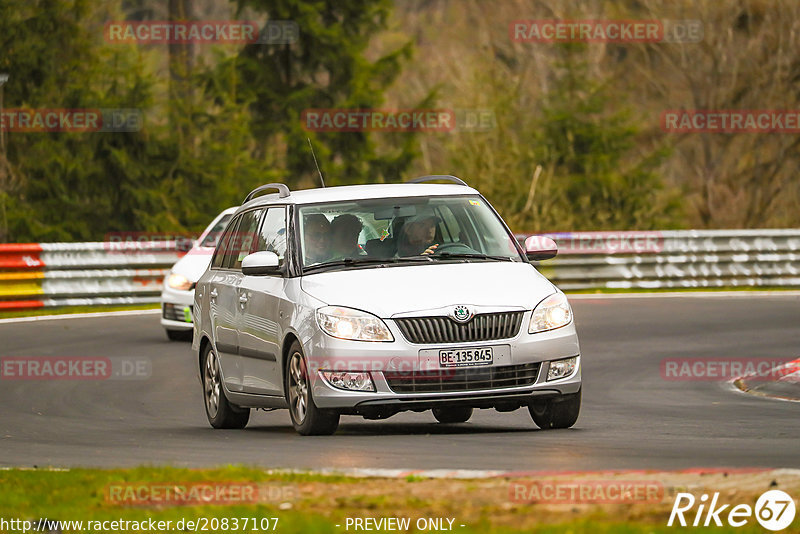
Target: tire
[453,414]
[561,412]
[307,419]
[220,412]
[179,335]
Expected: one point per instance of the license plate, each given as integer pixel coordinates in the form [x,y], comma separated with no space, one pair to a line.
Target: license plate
[466,357]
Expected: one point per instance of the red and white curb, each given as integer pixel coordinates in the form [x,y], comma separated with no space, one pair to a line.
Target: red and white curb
[783,377]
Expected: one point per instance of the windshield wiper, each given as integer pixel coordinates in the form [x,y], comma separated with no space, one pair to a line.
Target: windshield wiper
[478,255]
[349,262]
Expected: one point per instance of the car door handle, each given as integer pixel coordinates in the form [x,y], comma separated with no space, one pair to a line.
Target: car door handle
[213,294]
[243,299]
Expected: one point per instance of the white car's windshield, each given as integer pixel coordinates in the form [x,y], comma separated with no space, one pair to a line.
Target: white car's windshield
[392,229]
[212,237]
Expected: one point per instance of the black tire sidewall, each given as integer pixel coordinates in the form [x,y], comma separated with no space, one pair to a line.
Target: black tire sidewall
[453,414]
[557,413]
[317,421]
[228,415]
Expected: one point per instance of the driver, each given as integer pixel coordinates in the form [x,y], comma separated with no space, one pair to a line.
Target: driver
[417,236]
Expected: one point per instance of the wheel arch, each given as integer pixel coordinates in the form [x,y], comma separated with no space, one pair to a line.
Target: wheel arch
[290,338]
[204,342]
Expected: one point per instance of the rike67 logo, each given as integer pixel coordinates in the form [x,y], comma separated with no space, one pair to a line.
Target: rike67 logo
[774,510]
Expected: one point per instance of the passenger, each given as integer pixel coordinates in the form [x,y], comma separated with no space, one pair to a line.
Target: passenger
[345,230]
[417,236]
[317,233]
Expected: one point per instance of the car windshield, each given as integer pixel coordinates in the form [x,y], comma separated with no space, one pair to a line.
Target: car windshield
[410,229]
[211,239]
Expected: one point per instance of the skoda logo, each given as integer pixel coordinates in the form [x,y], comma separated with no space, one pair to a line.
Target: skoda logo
[462,314]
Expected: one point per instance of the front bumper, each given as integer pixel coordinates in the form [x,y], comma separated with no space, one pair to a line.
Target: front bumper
[402,358]
[176,308]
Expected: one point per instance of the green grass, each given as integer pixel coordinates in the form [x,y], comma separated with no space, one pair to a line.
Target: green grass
[306,502]
[76,309]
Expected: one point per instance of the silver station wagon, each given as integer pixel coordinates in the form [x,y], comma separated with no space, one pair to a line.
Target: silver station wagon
[376,299]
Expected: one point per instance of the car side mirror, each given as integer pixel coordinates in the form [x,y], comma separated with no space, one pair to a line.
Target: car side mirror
[539,247]
[261,264]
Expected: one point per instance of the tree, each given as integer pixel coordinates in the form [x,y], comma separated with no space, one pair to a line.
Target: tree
[326,68]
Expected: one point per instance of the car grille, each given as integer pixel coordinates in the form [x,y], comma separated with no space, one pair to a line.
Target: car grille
[466,379]
[174,312]
[440,329]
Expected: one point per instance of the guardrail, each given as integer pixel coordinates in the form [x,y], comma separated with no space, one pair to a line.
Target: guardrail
[674,259]
[37,275]
[111,273]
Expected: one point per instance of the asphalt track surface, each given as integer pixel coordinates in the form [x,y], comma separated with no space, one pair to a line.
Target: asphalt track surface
[631,418]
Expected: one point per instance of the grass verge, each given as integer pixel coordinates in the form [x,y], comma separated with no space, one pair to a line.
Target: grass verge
[75,309]
[322,504]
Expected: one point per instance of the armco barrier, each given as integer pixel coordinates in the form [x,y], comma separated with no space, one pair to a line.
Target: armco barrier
[674,259]
[71,274]
[36,275]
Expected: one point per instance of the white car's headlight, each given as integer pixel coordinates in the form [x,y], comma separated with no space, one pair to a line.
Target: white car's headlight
[551,313]
[356,325]
[178,281]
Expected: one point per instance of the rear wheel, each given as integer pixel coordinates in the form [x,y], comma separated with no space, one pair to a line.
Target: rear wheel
[453,414]
[179,335]
[561,412]
[307,419]
[221,413]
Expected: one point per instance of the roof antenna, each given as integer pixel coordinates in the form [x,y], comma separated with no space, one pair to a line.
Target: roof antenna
[321,179]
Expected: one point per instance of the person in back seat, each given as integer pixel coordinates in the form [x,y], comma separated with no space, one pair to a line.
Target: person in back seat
[317,230]
[345,229]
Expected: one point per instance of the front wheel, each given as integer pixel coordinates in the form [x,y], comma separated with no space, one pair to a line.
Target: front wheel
[453,414]
[220,412]
[561,412]
[307,419]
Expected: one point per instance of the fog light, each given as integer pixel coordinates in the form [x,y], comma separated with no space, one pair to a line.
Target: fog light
[561,368]
[352,381]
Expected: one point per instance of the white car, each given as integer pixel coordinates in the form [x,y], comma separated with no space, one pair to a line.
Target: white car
[375,299]
[177,293]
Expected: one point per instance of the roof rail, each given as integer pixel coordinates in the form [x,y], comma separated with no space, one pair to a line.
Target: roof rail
[433,177]
[283,191]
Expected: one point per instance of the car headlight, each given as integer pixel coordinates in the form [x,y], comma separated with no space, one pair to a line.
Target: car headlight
[561,368]
[352,381]
[178,281]
[356,325]
[551,313]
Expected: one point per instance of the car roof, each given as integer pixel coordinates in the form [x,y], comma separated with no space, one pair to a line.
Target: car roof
[359,192]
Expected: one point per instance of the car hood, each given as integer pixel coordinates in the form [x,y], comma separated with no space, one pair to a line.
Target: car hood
[397,290]
[194,263]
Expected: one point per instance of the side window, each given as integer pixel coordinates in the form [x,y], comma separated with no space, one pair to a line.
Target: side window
[272,237]
[225,244]
[244,241]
